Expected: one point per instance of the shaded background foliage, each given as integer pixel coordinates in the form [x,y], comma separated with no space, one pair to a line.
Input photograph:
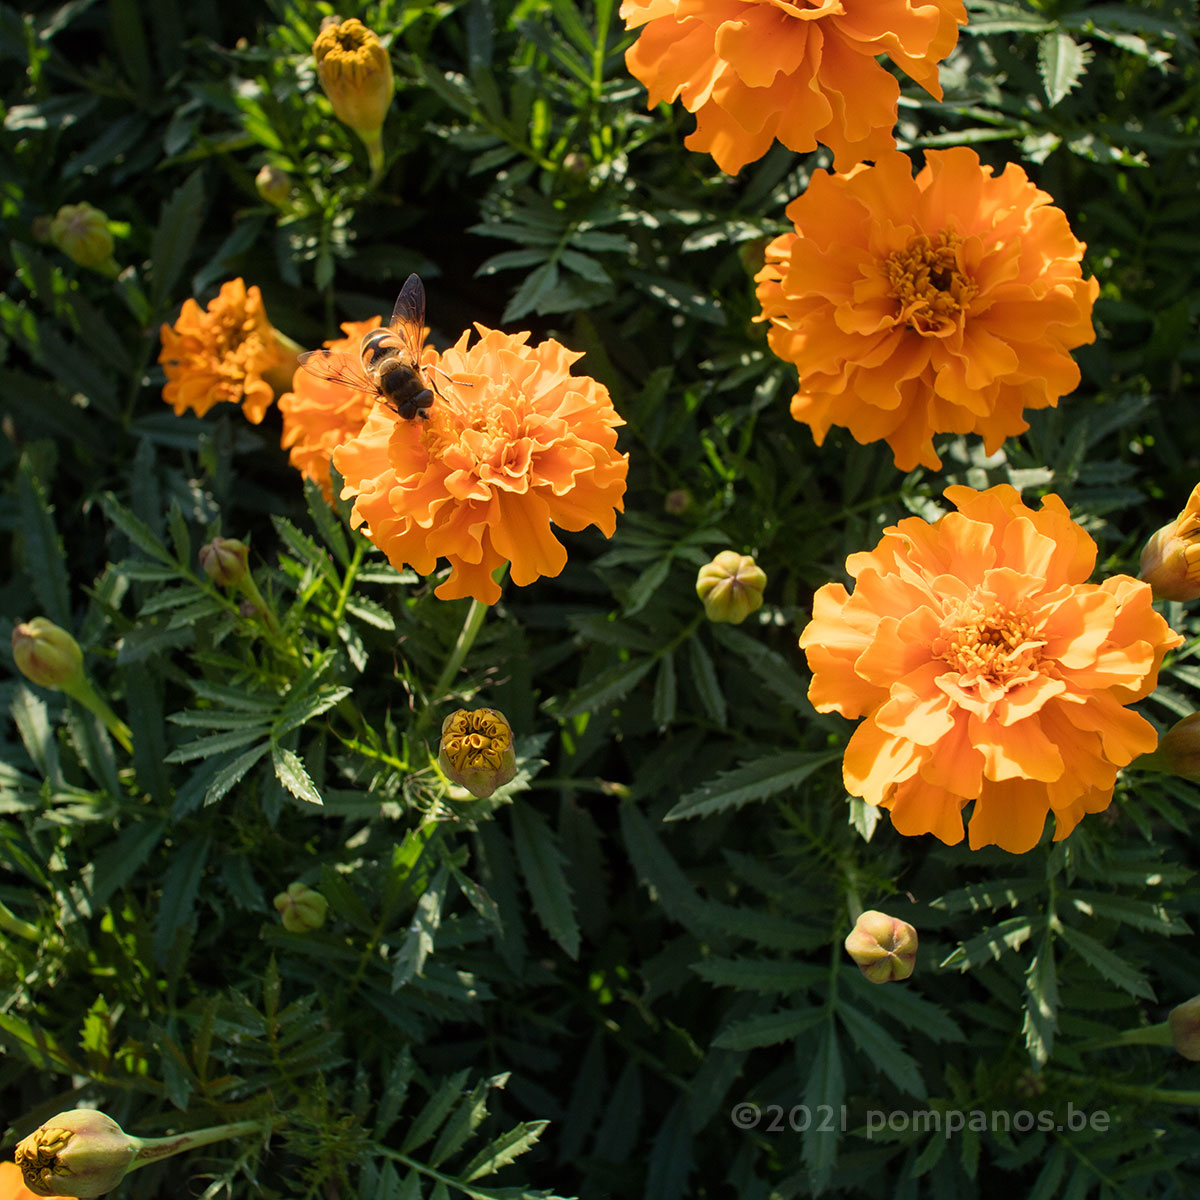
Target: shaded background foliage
[645,929]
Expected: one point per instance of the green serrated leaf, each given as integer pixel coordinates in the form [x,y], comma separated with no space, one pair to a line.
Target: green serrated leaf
[768,1029]
[543,866]
[755,780]
[44,560]
[1110,965]
[290,771]
[1061,63]
[178,225]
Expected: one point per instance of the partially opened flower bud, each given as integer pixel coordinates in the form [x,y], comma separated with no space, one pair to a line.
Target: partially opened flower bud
[477,750]
[1184,1022]
[224,560]
[47,654]
[1178,751]
[81,232]
[81,1152]
[356,73]
[302,908]
[1170,561]
[883,947]
[731,587]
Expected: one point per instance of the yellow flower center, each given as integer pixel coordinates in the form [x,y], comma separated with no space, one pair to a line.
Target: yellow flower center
[992,644]
[477,741]
[239,346]
[929,284]
[349,50]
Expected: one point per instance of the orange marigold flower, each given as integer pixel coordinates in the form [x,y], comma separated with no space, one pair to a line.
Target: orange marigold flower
[802,71]
[514,443]
[318,416]
[987,669]
[12,1184]
[229,352]
[947,303]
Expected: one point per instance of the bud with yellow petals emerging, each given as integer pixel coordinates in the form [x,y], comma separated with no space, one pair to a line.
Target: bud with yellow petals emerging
[46,654]
[273,185]
[81,232]
[731,587]
[477,750]
[85,1153]
[883,947]
[1178,750]
[224,560]
[1170,561]
[356,74]
[302,908]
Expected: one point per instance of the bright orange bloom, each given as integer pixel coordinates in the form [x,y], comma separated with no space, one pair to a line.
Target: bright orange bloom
[513,442]
[802,71]
[12,1184]
[318,416]
[228,353]
[911,307]
[987,669]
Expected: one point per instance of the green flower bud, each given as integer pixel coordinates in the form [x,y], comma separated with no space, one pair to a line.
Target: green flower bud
[1184,1023]
[477,750]
[883,947]
[225,561]
[274,185]
[47,654]
[1178,750]
[302,908]
[81,232]
[77,1153]
[731,587]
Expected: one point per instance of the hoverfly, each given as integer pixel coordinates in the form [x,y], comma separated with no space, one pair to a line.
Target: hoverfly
[390,358]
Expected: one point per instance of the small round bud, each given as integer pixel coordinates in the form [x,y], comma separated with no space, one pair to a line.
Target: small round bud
[356,73]
[731,587]
[1178,751]
[40,227]
[81,232]
[81,1152]
[47,654]
[224,561]
[477,750]
[273,185]
[1184,1023]
[302,908]
[678,501]
[1170,561]
[883,947]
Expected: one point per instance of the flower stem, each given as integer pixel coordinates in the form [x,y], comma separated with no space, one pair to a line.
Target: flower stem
[83,691]
[11,923]
[373,140]
[153,1149]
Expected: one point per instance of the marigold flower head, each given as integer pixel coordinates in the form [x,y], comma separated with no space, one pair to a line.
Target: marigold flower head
[476,750]
[12,1183]
[885,948]
[1170,561]
[318,416]
[802,71]
[227,352]
[987,669]
[947,303]
[355,72]
[513,444]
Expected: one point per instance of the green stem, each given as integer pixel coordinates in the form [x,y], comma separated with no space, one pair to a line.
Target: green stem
[83,691]
[373,140]
[1145,1035]
[11,923]
[153,1149]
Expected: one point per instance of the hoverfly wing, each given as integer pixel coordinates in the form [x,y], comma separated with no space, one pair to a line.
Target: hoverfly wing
[408,318]
[336,367]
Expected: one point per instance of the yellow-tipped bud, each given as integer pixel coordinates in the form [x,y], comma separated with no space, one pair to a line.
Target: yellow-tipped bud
[81,1152]
[1178,751]
[1170,561]
[731,587]
[1184,1023]
[356,73]
[302,908]
[224,561]
[883,947]
[46,654]
[81,232]
[477,750]
[273,185]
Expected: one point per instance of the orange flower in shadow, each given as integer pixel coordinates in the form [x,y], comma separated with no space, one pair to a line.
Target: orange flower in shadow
[802,71]
[947,303]
[987,669]
[513,444]
[318,416]
[12,1184]
[227,353]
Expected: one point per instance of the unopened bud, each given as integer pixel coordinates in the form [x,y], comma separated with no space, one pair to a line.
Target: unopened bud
[1170,561]
[731,587]
[274,185]
[477,750]
[1184,1023]
[1178,751]
[677,501]
[81,1152]
[302,908]
[81,232]
[883,947]
[47,654]
[225,561]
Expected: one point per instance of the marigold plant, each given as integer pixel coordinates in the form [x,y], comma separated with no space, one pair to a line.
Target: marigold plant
[987,669]
[228,352]
[513,444]
[319,415]
[948,303]
[803,72]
